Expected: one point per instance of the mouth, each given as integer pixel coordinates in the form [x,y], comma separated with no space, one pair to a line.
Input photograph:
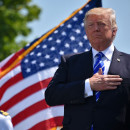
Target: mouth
[98,36]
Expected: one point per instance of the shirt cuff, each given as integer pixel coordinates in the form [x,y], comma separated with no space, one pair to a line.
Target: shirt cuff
[88,90]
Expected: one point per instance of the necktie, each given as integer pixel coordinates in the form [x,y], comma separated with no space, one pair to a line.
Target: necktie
[98,64]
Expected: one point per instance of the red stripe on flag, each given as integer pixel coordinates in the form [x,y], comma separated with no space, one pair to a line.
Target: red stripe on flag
[9,83]
[29,111]
[48,124]
[25,93]
[12,59]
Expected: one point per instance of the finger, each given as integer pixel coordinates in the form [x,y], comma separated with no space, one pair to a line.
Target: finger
[111,87]
[113,83]
[100,71]
[111,76]
[113,79]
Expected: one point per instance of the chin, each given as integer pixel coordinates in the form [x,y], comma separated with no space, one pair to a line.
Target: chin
[98,42]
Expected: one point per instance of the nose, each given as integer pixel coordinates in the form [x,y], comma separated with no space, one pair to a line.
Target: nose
[96,27]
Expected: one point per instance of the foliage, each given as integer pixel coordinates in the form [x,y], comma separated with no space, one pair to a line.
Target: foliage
[14,17]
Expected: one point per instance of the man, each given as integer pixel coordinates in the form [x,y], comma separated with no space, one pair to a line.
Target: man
[5,121]
[95,90]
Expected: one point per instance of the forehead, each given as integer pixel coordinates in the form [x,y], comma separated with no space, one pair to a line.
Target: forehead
[95,17]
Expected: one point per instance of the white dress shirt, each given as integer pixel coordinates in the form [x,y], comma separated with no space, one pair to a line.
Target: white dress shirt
[107,61]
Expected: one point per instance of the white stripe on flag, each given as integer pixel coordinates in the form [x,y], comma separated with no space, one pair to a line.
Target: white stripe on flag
[25,83]
[34,98]
[9,75]
[40,116]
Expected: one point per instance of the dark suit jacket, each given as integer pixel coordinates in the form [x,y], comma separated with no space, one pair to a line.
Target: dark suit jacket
[111,112]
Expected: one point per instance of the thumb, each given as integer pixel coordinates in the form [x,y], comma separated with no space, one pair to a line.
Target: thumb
[100,71]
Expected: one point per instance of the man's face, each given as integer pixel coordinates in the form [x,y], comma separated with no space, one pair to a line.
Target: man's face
[99,31]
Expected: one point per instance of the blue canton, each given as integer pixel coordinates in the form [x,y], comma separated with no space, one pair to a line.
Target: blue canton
[70,37]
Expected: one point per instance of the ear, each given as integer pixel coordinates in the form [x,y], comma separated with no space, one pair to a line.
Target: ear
[114,30]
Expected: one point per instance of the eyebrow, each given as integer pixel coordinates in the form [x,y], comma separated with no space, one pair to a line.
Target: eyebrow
[102,21]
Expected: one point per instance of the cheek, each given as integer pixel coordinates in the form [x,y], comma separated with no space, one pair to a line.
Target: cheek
[88,33]
[108,33]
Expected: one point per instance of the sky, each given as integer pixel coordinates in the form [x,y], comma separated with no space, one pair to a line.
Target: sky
[55,11]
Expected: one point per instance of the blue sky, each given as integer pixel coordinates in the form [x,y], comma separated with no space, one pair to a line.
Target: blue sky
[55,11]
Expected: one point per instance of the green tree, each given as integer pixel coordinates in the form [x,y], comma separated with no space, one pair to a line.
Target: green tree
[14,17]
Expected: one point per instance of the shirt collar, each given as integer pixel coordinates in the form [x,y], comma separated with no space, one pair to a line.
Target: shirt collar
[107,52]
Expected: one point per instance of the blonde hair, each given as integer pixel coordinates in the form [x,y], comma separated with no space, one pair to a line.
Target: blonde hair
[100,11]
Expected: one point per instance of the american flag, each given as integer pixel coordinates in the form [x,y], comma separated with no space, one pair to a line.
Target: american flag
[26,74]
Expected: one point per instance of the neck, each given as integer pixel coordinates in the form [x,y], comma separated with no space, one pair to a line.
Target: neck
[101,47]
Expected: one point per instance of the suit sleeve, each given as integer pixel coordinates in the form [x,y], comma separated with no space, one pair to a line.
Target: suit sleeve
[60,91]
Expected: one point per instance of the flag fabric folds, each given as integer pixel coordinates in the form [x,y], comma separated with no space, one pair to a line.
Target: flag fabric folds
[26,74]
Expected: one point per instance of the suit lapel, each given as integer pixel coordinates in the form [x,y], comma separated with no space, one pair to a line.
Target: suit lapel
[114,68]
[88,65]
[115,65]
[81,66]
